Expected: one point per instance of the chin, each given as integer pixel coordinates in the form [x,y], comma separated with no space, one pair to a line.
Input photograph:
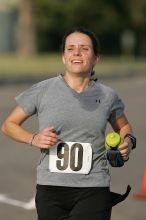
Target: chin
[81,73]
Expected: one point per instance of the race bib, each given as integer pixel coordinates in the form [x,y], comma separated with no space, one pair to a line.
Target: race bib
[70,157]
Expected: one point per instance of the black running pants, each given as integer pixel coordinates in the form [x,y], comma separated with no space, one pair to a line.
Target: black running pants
[73,203]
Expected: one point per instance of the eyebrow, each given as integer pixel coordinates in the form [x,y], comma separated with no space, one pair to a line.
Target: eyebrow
[82,45]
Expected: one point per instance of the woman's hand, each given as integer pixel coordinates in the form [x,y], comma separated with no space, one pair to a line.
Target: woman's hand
[125,148]
[45,138]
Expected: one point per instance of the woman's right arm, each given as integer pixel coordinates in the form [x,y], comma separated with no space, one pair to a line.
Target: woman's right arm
[12,126]
[13,129]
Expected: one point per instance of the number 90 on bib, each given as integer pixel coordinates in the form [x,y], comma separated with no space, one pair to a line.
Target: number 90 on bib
[70,157]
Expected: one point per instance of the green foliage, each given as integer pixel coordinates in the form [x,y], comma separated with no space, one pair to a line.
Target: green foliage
[137,13]
[101,15]
[104,17]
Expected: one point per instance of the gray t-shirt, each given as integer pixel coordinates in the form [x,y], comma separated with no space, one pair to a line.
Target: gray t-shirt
[77,118]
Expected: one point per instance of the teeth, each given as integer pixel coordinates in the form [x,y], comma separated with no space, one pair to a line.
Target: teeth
[76,61]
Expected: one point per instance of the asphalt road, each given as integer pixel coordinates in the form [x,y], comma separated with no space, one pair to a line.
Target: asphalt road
[18,161]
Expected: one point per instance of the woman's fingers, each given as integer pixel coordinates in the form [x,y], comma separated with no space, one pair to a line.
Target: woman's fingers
[45,139]
[124,149]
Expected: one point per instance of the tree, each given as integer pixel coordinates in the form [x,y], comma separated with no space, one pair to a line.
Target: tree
[55,17]
[25,29]
[107,18]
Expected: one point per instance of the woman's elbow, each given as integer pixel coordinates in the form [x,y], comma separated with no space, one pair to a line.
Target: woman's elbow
[3,128]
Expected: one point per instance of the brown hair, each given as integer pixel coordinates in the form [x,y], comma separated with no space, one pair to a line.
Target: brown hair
[90,34]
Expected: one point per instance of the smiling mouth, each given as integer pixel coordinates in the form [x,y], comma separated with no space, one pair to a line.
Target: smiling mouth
[77,62]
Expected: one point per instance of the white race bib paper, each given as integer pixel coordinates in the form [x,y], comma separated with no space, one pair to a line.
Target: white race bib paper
[70,157]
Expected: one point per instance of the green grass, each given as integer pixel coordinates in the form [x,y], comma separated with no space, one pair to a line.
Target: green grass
[52,63]
[31,65]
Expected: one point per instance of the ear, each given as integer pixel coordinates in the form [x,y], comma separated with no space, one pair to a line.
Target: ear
[97,59]
[63,59]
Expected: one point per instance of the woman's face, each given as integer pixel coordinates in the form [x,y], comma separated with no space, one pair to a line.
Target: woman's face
[78,55]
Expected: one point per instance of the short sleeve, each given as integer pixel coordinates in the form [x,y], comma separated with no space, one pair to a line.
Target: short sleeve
[28,99]
[117,108]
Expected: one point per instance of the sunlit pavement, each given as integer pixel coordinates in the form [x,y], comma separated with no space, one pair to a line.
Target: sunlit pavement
[18,161]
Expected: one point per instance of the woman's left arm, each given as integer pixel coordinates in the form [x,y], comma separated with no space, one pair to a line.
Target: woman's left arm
[123,127]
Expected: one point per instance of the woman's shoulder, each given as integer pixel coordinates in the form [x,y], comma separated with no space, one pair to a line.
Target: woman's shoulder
[46,82]
[105,88]
[40,87]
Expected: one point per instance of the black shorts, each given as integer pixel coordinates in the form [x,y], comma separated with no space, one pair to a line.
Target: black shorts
[72,203]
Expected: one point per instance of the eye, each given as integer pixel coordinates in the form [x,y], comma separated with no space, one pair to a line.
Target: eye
[85,48]
[69,48]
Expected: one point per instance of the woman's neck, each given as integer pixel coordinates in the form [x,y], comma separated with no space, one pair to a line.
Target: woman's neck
[77,83]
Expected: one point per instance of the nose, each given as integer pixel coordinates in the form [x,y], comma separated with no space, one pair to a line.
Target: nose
[77,51]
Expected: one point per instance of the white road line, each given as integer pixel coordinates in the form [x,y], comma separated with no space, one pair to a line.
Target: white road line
[30,205]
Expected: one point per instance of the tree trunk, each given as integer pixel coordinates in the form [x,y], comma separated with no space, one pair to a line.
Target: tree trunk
[25,34]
